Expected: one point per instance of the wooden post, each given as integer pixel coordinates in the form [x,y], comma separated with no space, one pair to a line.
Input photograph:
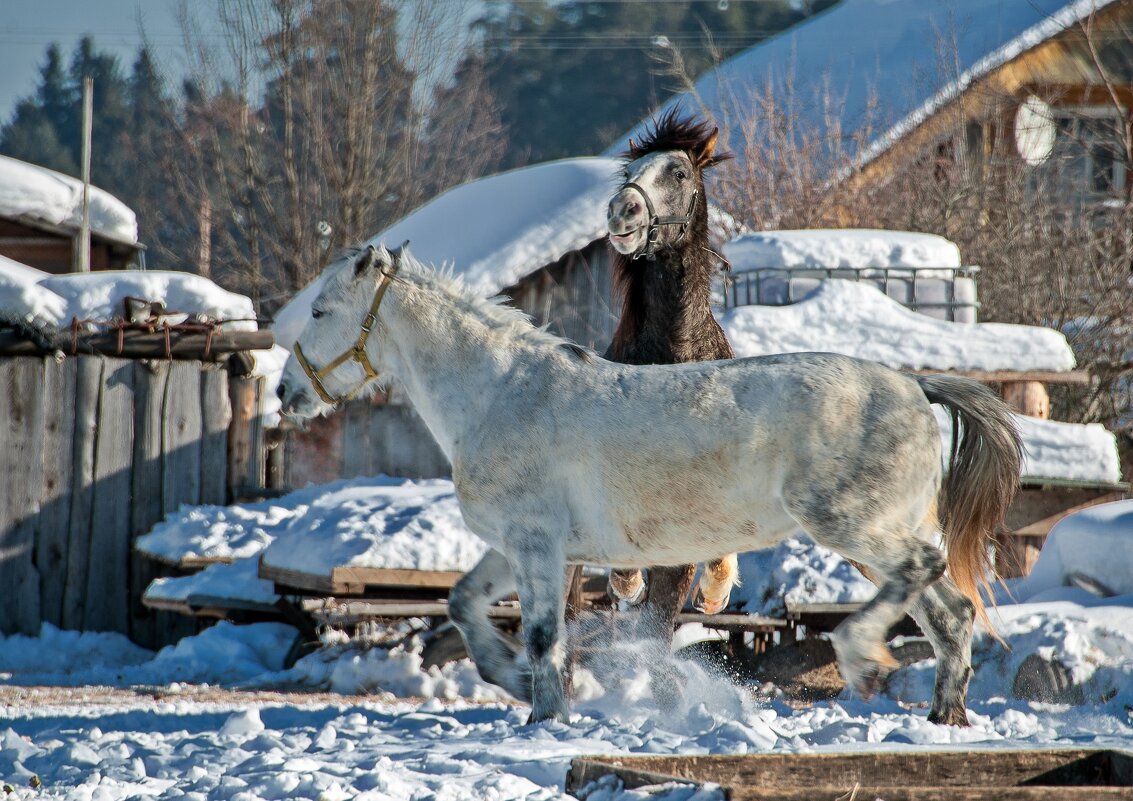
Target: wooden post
[246,454]
[1027,397]
[83,261]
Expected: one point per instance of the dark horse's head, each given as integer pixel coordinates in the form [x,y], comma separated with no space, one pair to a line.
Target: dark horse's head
[662,196]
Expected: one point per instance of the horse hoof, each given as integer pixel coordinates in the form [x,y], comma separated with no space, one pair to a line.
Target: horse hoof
[711,606]
[632,597]
[951,717]
[533,718]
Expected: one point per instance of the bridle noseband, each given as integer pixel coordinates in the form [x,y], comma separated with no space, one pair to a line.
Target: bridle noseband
[653,228]
[357,353]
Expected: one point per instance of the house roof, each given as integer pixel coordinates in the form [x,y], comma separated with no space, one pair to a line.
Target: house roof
[886,65]
[45,198]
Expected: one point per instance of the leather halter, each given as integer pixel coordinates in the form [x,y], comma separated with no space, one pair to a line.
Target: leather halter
[655,222]
[357,353]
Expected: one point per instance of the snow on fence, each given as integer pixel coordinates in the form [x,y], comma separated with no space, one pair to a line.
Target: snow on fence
[96,450]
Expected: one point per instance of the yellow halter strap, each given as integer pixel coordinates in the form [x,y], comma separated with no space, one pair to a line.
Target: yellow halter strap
[355,354]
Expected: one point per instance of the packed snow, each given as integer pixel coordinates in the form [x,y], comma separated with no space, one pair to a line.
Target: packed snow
[859,320]
[39,195]
[832,73]
[442,732]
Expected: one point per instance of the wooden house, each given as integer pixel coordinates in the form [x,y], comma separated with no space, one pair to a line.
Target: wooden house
[883,83]
[41,219]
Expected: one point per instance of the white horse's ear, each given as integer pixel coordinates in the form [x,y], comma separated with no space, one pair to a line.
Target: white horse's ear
[372,257]
[708,148]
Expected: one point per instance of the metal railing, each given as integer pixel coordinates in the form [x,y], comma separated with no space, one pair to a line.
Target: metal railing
[780,286]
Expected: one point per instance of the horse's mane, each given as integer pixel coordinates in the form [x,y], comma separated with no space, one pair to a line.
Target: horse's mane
[693,135]
[674,130]
[496,309]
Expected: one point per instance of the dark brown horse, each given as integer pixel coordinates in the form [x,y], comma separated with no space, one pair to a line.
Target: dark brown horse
[658,226]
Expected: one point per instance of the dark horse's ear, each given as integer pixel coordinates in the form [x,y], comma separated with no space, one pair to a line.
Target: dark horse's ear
[372,257]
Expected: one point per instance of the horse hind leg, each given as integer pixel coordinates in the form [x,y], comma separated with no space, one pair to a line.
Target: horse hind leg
[946,616]
[714,590]
[859,641]
[626,585]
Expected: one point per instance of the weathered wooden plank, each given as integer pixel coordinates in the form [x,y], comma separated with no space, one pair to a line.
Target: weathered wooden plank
[357,449]
[181,437]
[902,793]
[21,443]
[146,345]
[107,607]
[1000,376]
[88,382]
[150,378]
[936,775]
[216,415]
[55,502]
[403,446]
[392,577]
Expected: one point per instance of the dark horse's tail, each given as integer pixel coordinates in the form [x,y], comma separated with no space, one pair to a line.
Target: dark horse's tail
[983,476]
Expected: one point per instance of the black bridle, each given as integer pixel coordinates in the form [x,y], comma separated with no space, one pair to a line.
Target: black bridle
[653,228]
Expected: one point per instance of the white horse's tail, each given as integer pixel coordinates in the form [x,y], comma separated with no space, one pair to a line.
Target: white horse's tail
[983,476]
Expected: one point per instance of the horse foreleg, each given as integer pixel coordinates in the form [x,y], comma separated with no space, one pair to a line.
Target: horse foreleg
[496,659]
[715,587]
[946,617]
[859,640]
[538,568]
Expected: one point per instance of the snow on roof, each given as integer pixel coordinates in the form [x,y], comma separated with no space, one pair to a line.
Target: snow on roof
[904,58]
[495,230]
[50,301]
[1057,450]
[859,320]
[39,195]
[852,248]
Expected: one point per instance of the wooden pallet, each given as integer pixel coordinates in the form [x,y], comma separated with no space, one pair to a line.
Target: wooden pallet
[974,775]
[356,611]
[355,581]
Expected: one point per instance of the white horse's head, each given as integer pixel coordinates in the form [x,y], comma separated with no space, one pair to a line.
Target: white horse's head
[338,354]
[662,190]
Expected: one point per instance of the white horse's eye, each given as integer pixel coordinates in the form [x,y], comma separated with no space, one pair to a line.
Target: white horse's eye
[681,175]
[317,313]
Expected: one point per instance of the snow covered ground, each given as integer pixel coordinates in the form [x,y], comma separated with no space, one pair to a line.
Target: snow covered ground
[404,732]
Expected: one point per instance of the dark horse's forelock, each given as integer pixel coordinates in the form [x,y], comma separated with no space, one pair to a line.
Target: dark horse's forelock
[674,130]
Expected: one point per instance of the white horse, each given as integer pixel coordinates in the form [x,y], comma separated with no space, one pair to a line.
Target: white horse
[561,457]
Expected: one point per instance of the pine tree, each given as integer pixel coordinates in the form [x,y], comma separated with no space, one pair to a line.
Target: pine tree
[34,133]
[570,76]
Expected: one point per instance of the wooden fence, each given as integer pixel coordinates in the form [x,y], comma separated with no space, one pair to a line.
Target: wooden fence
[95,450]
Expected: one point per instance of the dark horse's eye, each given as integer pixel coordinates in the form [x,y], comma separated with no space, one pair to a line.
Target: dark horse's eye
[681,175]
[317,313]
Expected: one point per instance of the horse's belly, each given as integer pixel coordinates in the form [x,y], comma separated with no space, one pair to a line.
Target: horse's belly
[682,523]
